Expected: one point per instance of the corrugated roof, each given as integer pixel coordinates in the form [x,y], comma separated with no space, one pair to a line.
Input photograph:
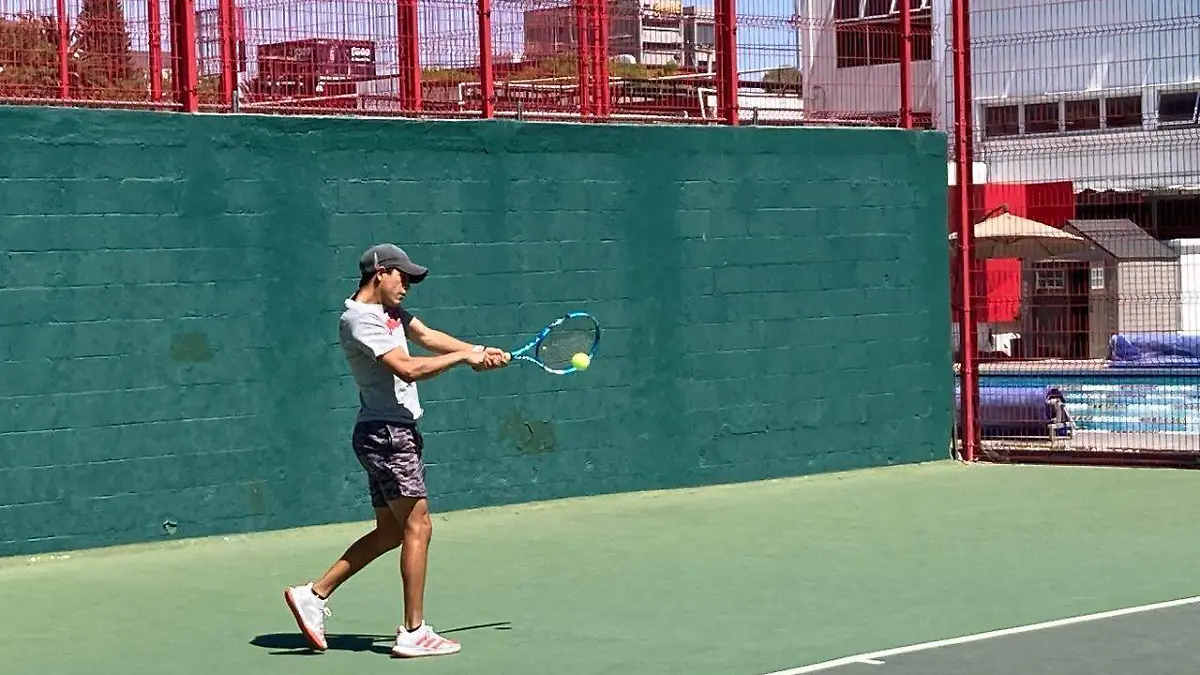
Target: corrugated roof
[1122,239]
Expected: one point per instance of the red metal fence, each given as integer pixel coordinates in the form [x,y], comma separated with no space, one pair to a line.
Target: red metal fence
[1075,125]
[1077,293]
[632,60]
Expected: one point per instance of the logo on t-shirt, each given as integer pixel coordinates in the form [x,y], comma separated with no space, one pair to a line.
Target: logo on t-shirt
[392,324]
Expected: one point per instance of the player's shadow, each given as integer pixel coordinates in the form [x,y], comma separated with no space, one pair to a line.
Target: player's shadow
[294,644]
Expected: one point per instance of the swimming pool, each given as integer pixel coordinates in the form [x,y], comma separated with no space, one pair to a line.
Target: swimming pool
[1115,400]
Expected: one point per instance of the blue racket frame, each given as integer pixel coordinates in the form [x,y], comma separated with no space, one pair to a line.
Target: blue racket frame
[525,353]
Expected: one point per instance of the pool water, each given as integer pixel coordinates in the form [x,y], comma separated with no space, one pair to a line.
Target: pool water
[1113,402]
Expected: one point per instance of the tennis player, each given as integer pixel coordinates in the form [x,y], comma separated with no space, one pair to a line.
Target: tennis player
[374,330]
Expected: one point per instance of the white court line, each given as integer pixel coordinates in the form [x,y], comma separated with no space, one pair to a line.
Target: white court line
[875,658]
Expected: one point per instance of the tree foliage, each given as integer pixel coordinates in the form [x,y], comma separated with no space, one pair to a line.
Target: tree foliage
[100,61]
[102,54]
[29,56]
[786,79]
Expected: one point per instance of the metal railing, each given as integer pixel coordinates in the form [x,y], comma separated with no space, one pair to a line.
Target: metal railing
[792,62]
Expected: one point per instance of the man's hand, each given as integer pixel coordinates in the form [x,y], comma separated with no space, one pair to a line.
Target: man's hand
[499,357]
[475,358]
[488,359]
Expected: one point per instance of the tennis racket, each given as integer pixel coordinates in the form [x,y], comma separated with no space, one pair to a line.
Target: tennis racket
[561,339]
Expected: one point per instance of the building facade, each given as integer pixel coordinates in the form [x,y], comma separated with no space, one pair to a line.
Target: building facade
[850,59]
[648,32]
[1105,94]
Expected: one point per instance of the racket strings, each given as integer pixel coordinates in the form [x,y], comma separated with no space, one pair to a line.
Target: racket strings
[565,341]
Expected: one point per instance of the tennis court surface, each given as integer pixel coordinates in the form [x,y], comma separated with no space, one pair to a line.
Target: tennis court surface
[832,573]
[1152,639]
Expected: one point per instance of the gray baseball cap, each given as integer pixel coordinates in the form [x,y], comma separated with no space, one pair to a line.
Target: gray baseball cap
[390,256]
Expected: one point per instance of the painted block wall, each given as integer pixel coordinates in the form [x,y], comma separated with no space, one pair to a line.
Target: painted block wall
[775,303]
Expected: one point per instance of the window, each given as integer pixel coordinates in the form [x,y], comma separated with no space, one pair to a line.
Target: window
[1041,118]
[1178,106]
[868,32]
[847,9]
[706,34]
[1081,115]
[1123,111]
[1001,120]
[876,8]
[1050,279]
[852,10]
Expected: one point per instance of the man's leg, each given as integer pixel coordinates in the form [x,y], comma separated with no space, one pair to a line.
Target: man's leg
[307,601]
[414,556]
[387,536]
[406,496]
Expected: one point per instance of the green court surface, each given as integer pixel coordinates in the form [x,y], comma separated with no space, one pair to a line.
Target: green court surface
[730,580]
[1155,639]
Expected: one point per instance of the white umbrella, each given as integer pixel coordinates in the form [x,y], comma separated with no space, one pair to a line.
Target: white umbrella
[1009,236]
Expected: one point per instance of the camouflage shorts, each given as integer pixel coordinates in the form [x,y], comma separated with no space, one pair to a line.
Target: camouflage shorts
[392,455]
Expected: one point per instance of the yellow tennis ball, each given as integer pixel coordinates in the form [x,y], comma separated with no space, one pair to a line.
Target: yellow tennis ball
[581,361]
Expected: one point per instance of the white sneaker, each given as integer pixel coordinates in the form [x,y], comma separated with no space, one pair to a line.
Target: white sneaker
[422,642]
[310,612]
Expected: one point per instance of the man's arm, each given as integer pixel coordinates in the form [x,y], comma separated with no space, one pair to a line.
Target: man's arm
[374,338]
[416,368]
[435,340]
[440,343]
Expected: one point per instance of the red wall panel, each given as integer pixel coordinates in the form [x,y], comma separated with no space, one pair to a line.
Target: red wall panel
[998,280]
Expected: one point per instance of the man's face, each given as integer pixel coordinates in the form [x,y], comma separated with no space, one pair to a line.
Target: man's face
[393,286]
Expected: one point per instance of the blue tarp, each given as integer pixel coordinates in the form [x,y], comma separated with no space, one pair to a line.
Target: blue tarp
[1006,410]
[1158,350]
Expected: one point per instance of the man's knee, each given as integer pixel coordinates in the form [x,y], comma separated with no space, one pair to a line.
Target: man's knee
[418,526]
[389,533]
[389,538]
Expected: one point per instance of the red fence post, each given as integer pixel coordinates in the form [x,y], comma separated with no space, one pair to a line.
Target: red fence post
[906,42]
[725,17]
[409,52]
[64,48]
[964,175]
[593,43]
[487,83]
[583,29]
[154,31]
[228,50]
[603,91]
[183,54]
[598,54]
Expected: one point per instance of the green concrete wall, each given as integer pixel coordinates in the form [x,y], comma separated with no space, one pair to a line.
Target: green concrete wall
[775,303]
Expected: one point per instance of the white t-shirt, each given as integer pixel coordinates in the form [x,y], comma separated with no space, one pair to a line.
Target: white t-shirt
[367,332]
